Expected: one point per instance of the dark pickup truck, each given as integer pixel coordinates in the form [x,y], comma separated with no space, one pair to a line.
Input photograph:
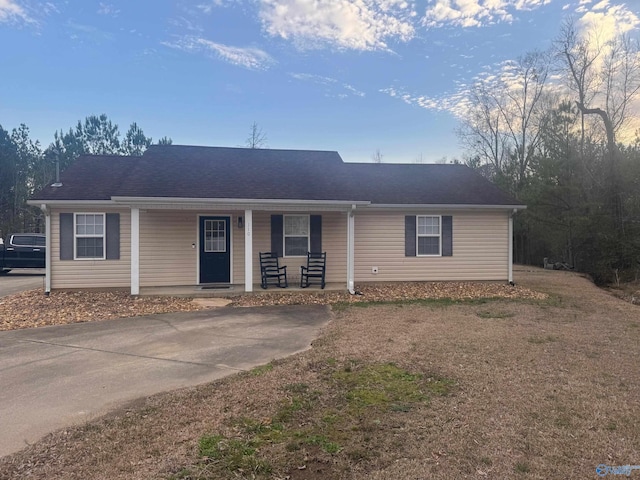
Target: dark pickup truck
[22,250]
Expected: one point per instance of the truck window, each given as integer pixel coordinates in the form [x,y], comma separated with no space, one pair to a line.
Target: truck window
[23,240]
[41,241]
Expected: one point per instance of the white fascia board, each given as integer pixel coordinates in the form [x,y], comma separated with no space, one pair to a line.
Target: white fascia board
[443,206]
[234,203]
[67,203]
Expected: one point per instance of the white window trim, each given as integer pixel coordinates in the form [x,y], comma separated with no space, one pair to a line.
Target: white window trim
[76,236]
[226,234]
[284,235]
[439,254]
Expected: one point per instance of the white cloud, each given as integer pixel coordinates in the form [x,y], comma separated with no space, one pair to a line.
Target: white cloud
[347,24]
[108,9]
[500,78]
[347,90]
[12,12]
[249,57]
[601,5]
[475,13]
[314,78]
[353,90]
[603,22]
[209,6]
[456,103]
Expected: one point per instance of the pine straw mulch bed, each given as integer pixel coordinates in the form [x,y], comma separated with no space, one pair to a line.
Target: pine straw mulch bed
[394,292]
[33,309]
[507,389]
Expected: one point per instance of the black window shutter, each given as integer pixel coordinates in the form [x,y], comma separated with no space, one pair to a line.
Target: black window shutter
[410,236]
[276,235]
[113,236]
[447,236]
[66,236]
[315,243]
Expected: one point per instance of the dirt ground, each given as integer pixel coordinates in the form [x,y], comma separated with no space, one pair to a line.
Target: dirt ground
[507,388]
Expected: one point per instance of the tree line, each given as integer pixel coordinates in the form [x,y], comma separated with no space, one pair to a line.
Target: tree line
[26,167]
[556,129]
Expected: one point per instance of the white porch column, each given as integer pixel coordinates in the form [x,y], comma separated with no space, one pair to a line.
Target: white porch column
[135,251]
[248,250]
[47,253]
[511,246]
[350,250]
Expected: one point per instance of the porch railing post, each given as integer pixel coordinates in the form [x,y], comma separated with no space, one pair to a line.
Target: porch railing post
[248,250]
[135,251]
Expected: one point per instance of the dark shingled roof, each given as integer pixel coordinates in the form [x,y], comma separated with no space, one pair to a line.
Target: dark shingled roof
[90,177]
[241,173]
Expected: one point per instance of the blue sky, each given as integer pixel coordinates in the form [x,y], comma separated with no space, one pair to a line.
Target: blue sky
[348,75]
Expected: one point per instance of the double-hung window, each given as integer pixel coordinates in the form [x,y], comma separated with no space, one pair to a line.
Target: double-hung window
[296,235]
[429,235]
[89,236]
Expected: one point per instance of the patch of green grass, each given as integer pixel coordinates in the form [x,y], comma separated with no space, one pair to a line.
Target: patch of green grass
[287,410]
[400,407]
[439,385]
[321,441]
[261,370]
[386,386]
[351,405]
[489,314]
[297,387]
[429,302]
[233,454]
[251,427]
[542,339]
[553,300]
[522,467]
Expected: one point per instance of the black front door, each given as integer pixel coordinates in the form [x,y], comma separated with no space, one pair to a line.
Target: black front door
[215,250]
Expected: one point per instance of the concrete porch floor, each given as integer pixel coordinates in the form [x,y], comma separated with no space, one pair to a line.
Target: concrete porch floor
[206,291]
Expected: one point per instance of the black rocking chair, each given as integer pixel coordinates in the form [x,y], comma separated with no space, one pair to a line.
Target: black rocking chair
[271,272]
[314,271]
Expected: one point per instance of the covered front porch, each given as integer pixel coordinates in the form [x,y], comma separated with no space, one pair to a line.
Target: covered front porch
[169,242]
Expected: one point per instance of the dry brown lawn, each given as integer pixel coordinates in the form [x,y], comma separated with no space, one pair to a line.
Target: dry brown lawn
[505,388]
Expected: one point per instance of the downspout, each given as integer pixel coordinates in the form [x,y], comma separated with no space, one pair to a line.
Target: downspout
[350,250]
[510,274]
[47,250]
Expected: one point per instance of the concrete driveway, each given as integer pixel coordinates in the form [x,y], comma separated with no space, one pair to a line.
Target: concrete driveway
[20,280]
[53,377]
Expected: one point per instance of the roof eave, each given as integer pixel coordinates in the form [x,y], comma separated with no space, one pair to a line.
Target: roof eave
[235,203]
[37,203]
[446,206]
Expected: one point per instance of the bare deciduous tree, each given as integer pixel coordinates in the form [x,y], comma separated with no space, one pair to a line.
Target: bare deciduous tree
[257,138]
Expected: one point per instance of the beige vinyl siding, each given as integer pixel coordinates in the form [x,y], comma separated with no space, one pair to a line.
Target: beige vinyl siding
[480,248]
[167,257]
[91,273]
[334,242]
